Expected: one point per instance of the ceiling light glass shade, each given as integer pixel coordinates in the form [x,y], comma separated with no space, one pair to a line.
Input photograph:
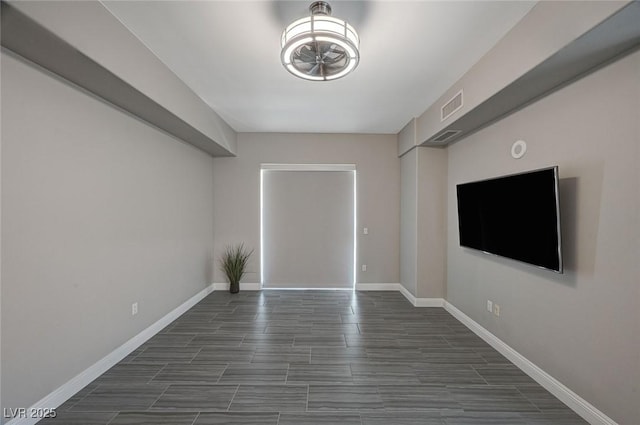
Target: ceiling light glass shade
[320,47]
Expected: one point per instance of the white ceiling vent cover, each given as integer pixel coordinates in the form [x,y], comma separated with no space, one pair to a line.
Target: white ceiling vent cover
[451,106]
[444,136]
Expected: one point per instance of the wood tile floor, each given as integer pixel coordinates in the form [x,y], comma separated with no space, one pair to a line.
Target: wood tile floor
[311,358]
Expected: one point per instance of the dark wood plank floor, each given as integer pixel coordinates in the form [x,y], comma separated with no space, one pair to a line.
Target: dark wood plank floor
[314,357]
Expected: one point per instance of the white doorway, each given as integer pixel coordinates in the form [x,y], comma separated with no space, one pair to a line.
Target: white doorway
[307,226]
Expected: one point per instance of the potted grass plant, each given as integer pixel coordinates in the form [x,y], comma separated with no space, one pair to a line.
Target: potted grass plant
[234,263]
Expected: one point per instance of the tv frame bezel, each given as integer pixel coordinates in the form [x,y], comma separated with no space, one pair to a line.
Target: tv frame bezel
[556,177]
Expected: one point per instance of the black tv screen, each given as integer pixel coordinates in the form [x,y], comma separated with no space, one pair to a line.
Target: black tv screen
[515,216]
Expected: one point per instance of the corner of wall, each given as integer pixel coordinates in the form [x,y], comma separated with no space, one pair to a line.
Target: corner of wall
[407,137]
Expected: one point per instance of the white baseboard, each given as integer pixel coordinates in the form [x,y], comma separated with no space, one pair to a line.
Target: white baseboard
[420,302]
[416,302]
[576,403]
[377,286]
[67,390]
[579,405]
[224,286]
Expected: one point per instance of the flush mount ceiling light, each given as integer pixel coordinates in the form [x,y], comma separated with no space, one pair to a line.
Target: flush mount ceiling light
[320,47]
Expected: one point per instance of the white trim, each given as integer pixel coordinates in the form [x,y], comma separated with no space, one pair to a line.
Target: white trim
[284,288]
[408,295]
[355,230]
[416,302]
[377,286]
[421,302]
[75,384]
[244,286]
[429,302]
[261,227]
[308,167]
[576,403]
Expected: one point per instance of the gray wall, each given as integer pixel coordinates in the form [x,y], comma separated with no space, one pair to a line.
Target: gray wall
[99,210]
[432,233]
[423,225]
[581,327]
[409,221]
[237,194]
[91,29]
[548,27]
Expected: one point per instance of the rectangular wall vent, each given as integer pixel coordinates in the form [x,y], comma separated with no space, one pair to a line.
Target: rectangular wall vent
[451,106]
[446,135]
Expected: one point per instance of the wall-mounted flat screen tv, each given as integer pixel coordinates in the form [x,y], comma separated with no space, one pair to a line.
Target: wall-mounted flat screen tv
[515,216]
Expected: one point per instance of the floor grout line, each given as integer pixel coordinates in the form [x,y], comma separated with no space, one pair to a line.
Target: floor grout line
[385,322]
[196,418]
[114,417]
[233,397]
[306,407]
[157,373]
[159,397]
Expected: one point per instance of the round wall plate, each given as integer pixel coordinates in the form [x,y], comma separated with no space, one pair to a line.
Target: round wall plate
[518,149]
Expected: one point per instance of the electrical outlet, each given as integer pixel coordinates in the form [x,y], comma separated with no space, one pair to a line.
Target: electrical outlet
[496,310]
[134,309]
[490,306]
[364,267]
[366,231]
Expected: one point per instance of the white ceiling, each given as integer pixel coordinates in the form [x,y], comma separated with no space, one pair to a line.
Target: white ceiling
[228,52]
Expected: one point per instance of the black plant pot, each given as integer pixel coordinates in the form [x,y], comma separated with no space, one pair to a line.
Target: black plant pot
[234,287]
